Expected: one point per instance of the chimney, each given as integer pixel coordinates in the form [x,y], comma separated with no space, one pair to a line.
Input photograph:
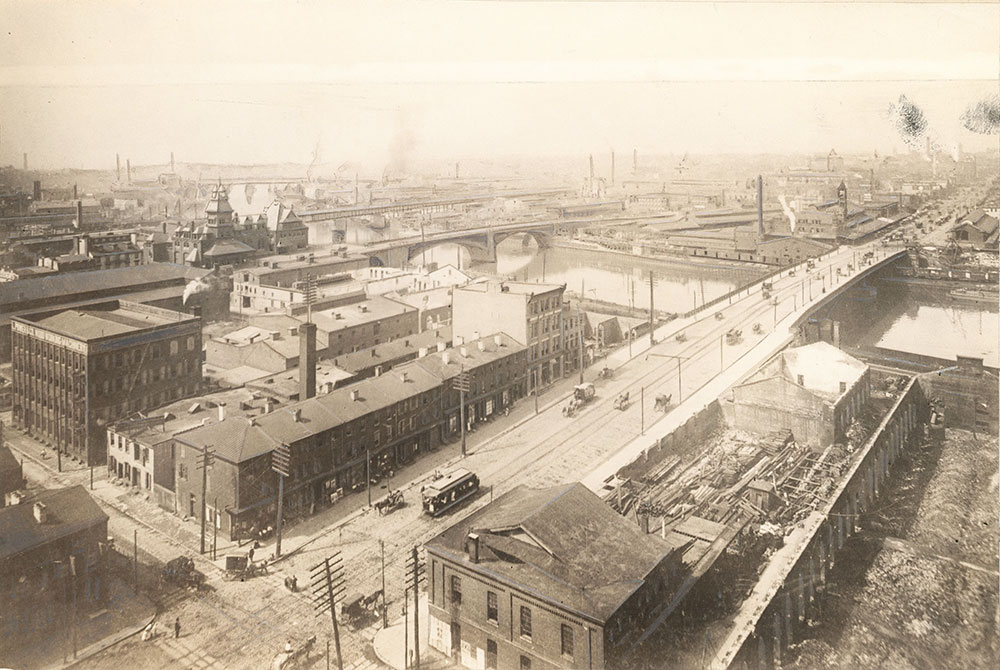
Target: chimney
[327,387]
[268,405]
[40,511]
[421,352]
[635,161]
[465,352]
[25,162]
[171,161]
[404,377]
[456,170]
[297,415]
[843,386]
[36,191]
[378,370]
[118,168]
[222,413]
[441,346]
[760,208]
[497,340]
[373,353]
[801,380]
[475,334]
[482,345]
[307,360]
[75,192]
[128,169]
[472,547]
[79,213]
[446,357]
[459,339]
[355,394]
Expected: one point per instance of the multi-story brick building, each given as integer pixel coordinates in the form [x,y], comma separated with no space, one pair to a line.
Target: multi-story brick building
[77,370]
[546,578]
[380,423]
[366,323]
[532,314]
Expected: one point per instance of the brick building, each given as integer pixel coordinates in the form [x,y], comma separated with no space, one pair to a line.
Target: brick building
[530,313]
[42,541]
[387,421]
[815,391]
[546,578]
[77,370]
[365,324]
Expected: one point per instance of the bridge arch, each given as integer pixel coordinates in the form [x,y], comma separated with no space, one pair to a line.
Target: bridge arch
[542,238]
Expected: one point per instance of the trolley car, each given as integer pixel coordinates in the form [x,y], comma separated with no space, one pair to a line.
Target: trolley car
[448,491]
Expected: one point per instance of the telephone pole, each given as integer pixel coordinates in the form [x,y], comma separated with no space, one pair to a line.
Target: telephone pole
[327,582]
[281,462]
[464,385]
[581,344]
[415,571]
[204,461]
[652,336]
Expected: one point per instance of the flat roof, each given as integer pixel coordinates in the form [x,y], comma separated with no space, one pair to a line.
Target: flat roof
[115,317]
[375,308]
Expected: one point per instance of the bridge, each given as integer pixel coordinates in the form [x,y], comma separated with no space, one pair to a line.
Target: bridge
[422,205]
[481,242]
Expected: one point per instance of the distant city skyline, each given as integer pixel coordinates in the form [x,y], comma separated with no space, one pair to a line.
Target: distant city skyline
[388,84]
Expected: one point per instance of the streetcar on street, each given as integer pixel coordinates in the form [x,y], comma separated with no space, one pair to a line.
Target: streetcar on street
[448,491]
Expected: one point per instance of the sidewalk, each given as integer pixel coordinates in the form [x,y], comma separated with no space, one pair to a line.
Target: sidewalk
[389,643]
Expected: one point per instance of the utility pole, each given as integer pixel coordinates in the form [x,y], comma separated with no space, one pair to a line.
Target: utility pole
[72,572]
[135,560]
[722,365]
[204,461]
[464,385]
[642,410]
[327,582]
[580,338]
[385,614]
[423,243]
[652,336]
[281,462]
[535,375]
[368,473]
[215,526]
[415,571]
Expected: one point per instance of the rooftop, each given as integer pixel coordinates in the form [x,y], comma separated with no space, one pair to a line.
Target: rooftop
[393,350]
[512,287]
[447,364]
[562,544]
[346,316]
[107,319]
[822,367]
[70,511]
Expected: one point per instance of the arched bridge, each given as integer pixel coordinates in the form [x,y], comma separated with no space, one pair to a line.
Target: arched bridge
[481,242]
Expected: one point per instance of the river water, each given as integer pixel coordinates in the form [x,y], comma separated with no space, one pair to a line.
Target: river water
[677,285]
[920,320]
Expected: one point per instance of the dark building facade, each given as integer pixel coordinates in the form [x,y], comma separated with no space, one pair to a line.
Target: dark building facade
[77,370]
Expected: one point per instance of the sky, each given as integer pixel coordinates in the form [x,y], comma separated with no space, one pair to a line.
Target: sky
[396,82]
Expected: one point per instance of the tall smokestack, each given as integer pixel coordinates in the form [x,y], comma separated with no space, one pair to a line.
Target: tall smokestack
[456,170]
[74,192]
[79,213]
[612,168]
[128,169]
[307,360]
[171,161]
[26,162]
[118,168]
[36,191]
[760,208]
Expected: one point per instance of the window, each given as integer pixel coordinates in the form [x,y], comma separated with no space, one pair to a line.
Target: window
[491,607]
[491,654]
[456,589]
[525,622]
[174,347]
[525,663]
[567,641]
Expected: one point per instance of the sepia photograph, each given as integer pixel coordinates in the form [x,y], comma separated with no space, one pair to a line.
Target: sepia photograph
[499,335]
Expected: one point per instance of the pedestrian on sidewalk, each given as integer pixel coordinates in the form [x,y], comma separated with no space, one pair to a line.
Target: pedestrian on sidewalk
[177,627]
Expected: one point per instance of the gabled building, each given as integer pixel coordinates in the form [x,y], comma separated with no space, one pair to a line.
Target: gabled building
[221,238]
[546,578]
[977,230]
[815,391]
[289,233]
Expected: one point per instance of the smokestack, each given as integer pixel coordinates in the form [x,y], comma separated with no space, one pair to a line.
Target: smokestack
[612,168]
[456,170]
[75,196]
[118,168]
[128,169]
[307,360]
[79,213]
[25,162]
[171,161]
[635,161]
[591,167]
[760,208]
[36,191]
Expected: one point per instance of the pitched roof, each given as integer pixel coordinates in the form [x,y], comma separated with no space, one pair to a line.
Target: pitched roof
[234,439]
[228,246]
[70,510]
[563,544]
[822,367]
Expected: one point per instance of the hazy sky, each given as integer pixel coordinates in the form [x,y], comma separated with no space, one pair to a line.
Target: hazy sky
[378,82]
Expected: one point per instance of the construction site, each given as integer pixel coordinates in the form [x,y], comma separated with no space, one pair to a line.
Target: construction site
[734,497]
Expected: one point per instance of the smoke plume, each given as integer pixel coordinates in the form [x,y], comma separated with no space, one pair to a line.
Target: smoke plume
[788,211]
[195,286]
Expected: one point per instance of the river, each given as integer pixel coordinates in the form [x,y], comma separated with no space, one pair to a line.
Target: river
[677,285]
